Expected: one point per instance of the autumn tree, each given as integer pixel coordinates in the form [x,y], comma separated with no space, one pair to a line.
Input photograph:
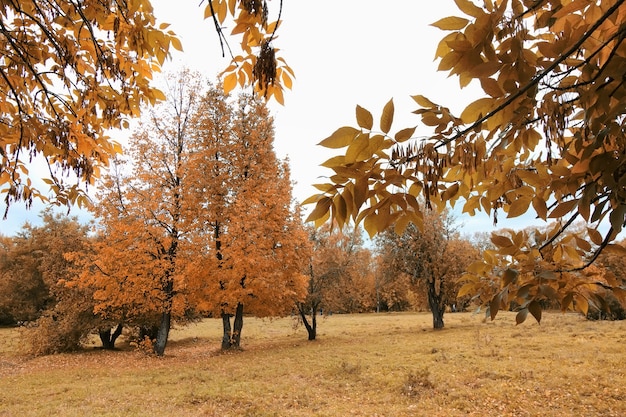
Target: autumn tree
[340,275]
[255,241]
[431,258]
[547,136]
[200,220]
[24,294]
[144,216]
[32,283]
[73,70]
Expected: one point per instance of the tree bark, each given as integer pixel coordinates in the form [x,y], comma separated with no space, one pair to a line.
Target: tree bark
[437,308]
[231,338]
[311,327]
[108,339]
[163,333]
[227,331]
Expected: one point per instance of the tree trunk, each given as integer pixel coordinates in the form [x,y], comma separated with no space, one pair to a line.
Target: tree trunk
[231,338]
[108,339]
[437,308]
[311,328]
[237,326]
[163,333]
[227,331]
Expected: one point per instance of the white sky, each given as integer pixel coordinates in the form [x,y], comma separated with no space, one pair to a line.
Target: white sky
[344,52]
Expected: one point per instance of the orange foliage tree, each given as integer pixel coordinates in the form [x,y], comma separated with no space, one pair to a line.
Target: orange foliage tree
[32,284]
[200,220]
[143,219]
[254,238]
[340,275]
[70,71]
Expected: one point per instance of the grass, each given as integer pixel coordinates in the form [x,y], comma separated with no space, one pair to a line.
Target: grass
[361,365]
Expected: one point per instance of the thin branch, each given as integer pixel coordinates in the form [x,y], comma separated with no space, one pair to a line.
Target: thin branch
[533,82]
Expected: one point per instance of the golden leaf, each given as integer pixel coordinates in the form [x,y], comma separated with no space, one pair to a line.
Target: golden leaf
[386,118]
[563,208]
[469,8]
[451,23]
[176,44]
[595,236]
[364,118]
[341,138]
[519,207]
[230,82]
[404,134]
[321,209]
[423,101]
[501,241]
[477,109]
[540,207]
[467,289]
[491,87]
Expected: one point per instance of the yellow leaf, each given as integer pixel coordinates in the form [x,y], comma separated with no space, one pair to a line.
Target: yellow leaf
[467,289]
[451,23]
[491,87]
[401,224]
[450,192]
[594,236]
[364,118]
[540,207]
[469,8]
[486,69]
[355,151]
[519,207]
[509,276]
[405,134]
[387,117]
[477,109]
[158,94]
[321,209]
[423,101]
[176,43]
[563,208]
[341,138]
[501,241]
[335,161]
[230,82]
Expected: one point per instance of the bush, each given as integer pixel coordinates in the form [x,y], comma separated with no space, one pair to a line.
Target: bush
[61,329]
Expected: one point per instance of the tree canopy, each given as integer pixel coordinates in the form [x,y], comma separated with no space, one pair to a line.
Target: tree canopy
[71,71]
[546,136]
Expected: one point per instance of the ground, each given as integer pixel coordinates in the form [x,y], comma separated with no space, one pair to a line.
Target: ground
[361,365]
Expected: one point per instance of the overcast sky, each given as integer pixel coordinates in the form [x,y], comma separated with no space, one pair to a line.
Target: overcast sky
[344,53]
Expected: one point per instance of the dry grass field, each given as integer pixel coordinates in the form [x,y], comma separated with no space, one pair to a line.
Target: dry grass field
[362,365]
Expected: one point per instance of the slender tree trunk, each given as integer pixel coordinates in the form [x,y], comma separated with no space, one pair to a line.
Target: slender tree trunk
[108,339]
[437,308]
[231,338]
[311,327]
[227,331]
[237,327]
[163,333]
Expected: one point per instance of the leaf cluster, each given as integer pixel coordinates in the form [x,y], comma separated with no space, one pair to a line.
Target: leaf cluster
[547,136]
